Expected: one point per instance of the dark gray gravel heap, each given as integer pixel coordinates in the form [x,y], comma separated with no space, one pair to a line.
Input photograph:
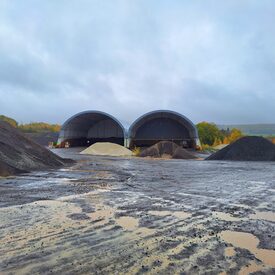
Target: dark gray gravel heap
[43,138]
[20,154]
[250,148]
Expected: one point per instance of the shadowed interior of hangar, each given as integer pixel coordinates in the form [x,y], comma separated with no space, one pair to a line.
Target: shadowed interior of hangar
[89,127]
[162,126]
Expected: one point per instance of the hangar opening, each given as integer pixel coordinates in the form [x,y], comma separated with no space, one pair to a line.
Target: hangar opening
[163,126]
[89,127]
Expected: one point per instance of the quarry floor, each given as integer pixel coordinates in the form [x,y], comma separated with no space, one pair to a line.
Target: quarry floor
[134,216]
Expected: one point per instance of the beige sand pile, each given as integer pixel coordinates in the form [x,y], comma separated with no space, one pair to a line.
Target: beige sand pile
[107,149]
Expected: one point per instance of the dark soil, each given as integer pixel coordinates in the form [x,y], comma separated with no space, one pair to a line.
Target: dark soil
[251,148]
[167,148]
[18,153]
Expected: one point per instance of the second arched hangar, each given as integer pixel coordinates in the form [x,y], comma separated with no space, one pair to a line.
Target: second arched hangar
[162,125]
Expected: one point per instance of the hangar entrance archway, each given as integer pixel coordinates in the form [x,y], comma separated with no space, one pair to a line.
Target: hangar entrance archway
[86,128]
[163,125]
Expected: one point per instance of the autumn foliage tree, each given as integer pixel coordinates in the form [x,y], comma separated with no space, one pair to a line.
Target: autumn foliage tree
[234,135]
[209,133]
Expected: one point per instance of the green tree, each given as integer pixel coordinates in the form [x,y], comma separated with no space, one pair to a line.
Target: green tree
[209,133]
[9,120]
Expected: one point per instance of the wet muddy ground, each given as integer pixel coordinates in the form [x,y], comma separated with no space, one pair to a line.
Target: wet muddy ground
[135,216]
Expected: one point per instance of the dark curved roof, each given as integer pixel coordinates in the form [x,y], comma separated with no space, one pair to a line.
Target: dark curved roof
[89,113]
[85,120]
[164,113]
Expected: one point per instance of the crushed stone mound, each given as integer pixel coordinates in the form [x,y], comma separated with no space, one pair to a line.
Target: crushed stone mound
[167,149]
[250,148]
[43,138]
[107,149]
[20,154]
[7,170]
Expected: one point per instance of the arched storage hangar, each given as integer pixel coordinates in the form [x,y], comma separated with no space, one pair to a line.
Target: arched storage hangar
[163,125]
[86,128]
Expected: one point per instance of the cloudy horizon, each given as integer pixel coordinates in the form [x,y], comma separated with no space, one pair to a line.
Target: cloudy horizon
[209,60]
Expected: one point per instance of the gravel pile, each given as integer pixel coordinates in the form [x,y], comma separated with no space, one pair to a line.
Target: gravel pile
[107,149]
[7,170]
[20,154]
[167,149]
[43,138]
[251,148]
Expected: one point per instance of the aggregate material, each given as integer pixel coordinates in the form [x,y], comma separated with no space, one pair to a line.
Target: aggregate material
[43,138]
[167,149]
[20,154]
[107,215]
[107,149]
[250,148]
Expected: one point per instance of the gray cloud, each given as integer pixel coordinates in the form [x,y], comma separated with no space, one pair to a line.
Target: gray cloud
[210,60]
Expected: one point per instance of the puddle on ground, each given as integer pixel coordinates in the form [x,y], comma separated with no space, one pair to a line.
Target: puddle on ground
[104,213]
[225,217]
[144,231]
[102,216]
[229,252]
[253,267]
[250,242]
[160,213]
[181,215]
[268,216]
[128,223]
[178,214]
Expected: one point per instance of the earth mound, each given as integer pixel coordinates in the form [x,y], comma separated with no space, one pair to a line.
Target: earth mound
[250,148]
[107,149]
[20,154]
[167,149]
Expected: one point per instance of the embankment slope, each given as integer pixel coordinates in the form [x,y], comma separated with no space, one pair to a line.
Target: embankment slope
[20,154]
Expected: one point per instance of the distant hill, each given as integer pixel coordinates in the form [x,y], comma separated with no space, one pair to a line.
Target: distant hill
[253,129]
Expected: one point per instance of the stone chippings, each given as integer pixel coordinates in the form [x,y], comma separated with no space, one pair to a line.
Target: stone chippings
[20,154]
[251,148]
[167,149]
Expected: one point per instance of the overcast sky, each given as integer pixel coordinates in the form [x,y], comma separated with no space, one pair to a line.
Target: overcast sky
[209,60]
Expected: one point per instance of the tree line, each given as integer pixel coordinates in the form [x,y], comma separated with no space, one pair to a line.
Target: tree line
[33,127]
[211,135]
